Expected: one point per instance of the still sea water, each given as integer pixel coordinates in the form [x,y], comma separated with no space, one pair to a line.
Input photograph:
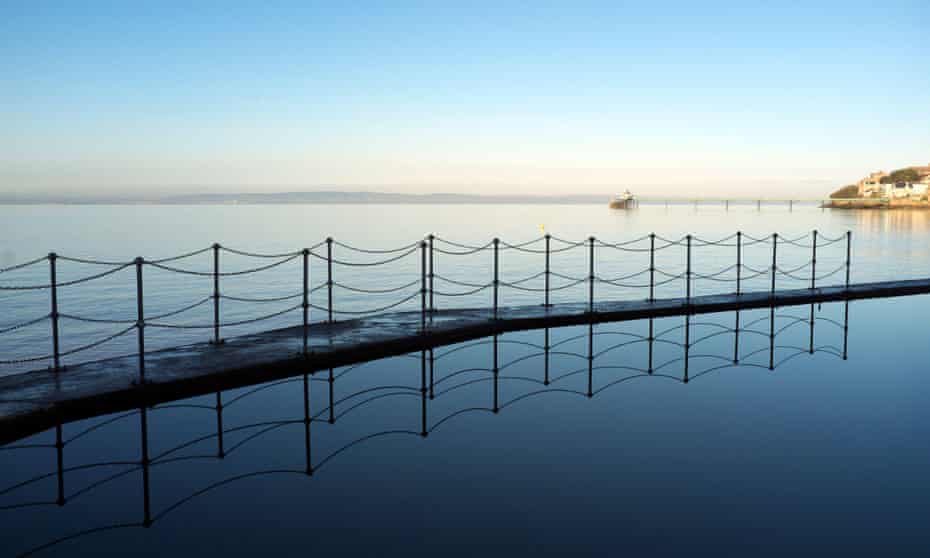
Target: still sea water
[529,453]
[886,245]
[578,450]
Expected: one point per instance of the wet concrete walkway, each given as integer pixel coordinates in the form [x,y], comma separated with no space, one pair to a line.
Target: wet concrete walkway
[37,400]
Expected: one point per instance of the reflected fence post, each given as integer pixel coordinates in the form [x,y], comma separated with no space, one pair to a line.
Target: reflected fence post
[650,341]
[736,340]
[60,460]
[146,499]
[220,452]
[332,402]
[772,337]
[423,430]
[432,366]
[308,464]
[687,345]
[590,359]
[56,351]
[546,349]
[496,372]
[845,328]
[140,319]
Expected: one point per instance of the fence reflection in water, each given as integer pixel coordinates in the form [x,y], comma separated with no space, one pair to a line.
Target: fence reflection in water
[316,418]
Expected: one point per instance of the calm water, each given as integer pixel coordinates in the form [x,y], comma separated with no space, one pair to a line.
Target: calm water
[819,456]
[886,245]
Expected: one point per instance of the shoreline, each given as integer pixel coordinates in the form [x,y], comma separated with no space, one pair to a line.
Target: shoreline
[865,203]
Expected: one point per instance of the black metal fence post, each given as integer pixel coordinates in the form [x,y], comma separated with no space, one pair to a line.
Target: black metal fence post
[329,278]
[652,267]
[739,261]
[848,254]
[432,274]
[140,319]
[591,274]
[496,272]
[56,352]
[774,260]
[305,303]
[547,273]
[814,259]
[216,295]
[422,287]
[688,271]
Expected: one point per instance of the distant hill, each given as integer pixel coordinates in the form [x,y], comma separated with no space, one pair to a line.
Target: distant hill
[315,197]
[850,191]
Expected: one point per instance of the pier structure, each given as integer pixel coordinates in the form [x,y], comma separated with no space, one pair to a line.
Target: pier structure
[726,202]
[74,388]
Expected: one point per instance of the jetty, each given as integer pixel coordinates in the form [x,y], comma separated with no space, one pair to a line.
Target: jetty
[65,391]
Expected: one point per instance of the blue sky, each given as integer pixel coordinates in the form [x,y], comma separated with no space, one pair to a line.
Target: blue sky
[548,97]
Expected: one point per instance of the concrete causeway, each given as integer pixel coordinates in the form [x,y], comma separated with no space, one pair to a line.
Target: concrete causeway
[34,401]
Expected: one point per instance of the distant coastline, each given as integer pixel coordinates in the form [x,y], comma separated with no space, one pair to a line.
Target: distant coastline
[905,188]
[314,197]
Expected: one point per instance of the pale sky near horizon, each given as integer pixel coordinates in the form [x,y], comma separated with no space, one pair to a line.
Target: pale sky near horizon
[479,97]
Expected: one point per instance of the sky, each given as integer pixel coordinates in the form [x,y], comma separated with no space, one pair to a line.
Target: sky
[573,97]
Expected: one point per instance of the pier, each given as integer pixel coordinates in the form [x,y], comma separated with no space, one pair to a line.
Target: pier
[68,389]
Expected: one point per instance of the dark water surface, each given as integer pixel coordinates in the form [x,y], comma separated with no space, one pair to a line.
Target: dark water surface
[822,455]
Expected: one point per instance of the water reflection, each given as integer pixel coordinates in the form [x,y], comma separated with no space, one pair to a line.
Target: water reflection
[450,382]
[892,221]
